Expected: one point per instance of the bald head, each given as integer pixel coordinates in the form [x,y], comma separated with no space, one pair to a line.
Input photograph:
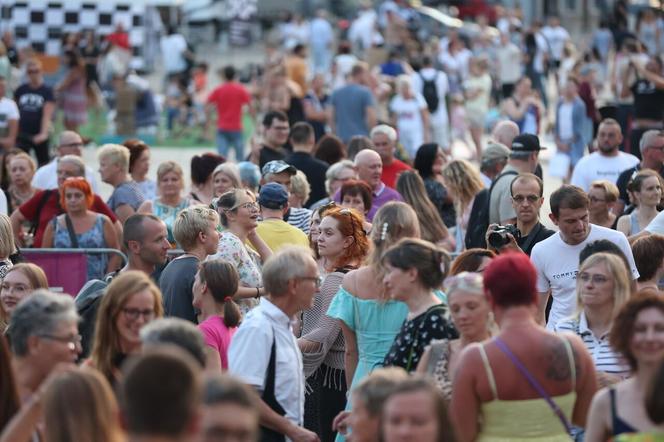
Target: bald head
[70,143]
[504,132]
[369,167]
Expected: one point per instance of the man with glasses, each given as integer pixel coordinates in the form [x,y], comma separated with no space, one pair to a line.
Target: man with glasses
[264,353]
[527,190]
[652,157]
[43,333]
[523,158]
[70,143]
[36,104]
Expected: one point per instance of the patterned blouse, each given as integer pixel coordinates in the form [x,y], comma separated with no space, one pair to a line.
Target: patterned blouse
[439,366]
[246,261]
[416,334]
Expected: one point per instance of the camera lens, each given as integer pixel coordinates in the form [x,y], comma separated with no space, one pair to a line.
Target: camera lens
[497,239]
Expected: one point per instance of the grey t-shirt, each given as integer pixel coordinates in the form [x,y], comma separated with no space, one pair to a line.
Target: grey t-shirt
[500,206]
[126,193]
[176,282]
[350,103]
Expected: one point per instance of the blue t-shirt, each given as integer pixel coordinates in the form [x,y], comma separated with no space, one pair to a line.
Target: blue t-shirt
[126,193]
[350,103]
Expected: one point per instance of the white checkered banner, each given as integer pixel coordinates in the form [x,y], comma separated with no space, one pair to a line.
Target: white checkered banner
[42,23]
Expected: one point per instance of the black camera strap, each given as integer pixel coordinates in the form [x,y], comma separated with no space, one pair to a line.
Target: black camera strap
[531,236]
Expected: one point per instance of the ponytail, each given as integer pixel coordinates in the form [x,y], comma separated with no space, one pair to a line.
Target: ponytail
[232,313]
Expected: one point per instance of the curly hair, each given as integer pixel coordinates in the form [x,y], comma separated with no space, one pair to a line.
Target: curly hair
[349,223]
[622,330]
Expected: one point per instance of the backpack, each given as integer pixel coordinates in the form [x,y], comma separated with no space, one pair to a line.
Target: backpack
[87,303]
[430,93]
[478,222]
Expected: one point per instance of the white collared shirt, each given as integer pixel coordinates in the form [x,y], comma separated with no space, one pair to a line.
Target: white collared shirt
[249,355]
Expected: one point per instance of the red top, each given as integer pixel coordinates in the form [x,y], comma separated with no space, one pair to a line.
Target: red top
[52,208]
[229,99]
[119,39]
[391,172]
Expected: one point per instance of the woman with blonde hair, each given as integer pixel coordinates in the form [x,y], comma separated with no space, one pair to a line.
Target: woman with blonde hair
[463,183]
[411,186]
[131,301]
[300,190]
[170,183]
[21,169]
[19,282]
[225,177]
[602,195]
[7,245]
[602,288]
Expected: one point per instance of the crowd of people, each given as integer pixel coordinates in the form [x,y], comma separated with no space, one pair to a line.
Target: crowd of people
[347,273]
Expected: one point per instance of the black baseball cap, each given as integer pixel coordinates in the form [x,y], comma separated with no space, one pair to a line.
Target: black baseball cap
[526,143]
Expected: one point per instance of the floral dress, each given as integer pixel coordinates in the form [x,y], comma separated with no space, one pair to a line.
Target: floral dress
[416,334]
[246,261]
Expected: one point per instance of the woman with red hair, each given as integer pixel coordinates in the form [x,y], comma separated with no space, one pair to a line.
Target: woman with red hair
[80,227]
[525,383]
[343,245]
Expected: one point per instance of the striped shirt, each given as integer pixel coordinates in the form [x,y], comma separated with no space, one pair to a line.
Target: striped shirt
[299,217]
[605,358]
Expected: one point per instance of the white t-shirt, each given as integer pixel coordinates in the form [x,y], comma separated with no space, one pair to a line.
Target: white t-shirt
[565,123]
[657,224]
[408,112]
[3,203]
[599,167]
[557,264]
[556,37]
[46,177]
[509,67]
[480,103]
[8,112]
[442,89]
[172,47]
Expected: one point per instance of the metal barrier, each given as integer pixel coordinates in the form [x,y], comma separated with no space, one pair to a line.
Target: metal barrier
[66,269]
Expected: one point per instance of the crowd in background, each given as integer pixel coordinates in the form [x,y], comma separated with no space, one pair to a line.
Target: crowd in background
[370,264]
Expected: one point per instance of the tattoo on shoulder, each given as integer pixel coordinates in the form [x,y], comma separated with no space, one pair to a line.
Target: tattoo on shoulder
[558,368]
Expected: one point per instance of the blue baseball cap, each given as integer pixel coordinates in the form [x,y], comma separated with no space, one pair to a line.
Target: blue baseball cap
[273,196]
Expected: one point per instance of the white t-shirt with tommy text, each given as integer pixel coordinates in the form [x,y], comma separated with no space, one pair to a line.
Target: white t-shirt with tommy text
[600,167]
[557,264]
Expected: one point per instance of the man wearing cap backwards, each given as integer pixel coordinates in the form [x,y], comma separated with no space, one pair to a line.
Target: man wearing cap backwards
[273,200]
[281,172]
[608,161]
[494,159]
[523,159]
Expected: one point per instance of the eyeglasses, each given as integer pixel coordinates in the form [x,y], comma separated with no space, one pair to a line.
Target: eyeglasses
[251,205]
[596,279]
[532,199]
[73,342]
[315,279]
[133,313]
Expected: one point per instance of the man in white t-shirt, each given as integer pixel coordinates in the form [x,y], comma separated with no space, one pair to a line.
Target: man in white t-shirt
[70,143]
[9,117]
[509,71]
[174,52]
[656,225]
[556,36]
[411,114]
[440,120]
[557,257]
[608,162]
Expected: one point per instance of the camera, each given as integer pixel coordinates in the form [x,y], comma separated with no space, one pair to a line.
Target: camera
[498,237]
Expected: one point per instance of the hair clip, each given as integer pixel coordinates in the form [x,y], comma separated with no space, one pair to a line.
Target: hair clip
[228,298]
[383,232]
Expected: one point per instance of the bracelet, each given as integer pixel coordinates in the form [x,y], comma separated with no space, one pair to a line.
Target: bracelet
[258,293]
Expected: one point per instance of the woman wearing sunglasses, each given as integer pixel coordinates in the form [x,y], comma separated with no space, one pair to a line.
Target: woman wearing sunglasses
[238,212]
[343,244]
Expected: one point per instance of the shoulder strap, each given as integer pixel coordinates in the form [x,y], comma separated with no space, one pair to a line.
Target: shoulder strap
[533,383]
[72,233]
[42,202]
[570,357]
[531,237]
[489,372]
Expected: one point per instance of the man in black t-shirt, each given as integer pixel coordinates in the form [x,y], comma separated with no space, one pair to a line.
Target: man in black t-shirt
[275,138]
[648,92]
[303,141]
[36,104]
